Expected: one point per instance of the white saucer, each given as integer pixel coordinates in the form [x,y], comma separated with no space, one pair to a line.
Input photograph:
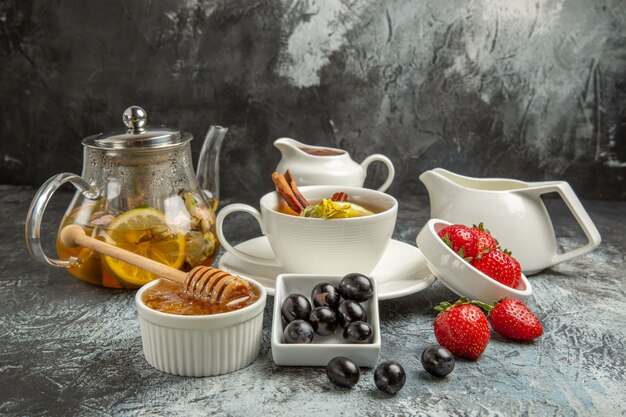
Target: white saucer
[401,271]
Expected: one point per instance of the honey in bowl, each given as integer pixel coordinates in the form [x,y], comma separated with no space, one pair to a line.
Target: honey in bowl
[169,297]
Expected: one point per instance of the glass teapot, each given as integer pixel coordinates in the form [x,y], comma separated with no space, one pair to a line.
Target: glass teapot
[137,191]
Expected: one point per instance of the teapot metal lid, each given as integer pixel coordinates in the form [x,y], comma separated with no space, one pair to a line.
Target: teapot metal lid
[138,134]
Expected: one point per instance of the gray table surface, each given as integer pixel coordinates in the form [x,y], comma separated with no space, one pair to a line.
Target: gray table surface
[70,348]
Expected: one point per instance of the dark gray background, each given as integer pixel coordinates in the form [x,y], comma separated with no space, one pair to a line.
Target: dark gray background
[528,89]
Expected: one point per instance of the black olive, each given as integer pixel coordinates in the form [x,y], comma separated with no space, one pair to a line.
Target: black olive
[295,306]
[389,377]
[358,332]
[298,331]
[349,311]
[437,360]
[324,320]
[343,372]
[325,294]
[356,287]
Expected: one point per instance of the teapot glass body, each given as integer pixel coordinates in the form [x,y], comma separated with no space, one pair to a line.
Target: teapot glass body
[148,203]
[143,197]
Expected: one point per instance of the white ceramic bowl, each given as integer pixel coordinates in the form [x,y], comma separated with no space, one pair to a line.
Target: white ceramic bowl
[323,348]
[201,345]
[460,276]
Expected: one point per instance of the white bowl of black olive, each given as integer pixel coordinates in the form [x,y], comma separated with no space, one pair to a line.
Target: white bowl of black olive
[320,317]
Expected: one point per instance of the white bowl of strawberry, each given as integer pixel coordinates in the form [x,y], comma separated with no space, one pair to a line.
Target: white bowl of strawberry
[468,260]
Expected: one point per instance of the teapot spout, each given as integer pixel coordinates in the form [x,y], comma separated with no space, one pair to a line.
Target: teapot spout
[208,174]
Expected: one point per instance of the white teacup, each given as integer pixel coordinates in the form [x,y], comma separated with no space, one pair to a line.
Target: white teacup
[325,246]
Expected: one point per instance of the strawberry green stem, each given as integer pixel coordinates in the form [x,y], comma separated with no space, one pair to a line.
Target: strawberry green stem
[445,306]
[484,306]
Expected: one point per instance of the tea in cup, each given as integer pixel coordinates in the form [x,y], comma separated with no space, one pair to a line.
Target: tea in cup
[316,245]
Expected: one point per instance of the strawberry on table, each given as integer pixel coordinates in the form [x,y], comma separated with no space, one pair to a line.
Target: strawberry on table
[485,241]
[501,266]
[461,239]
[462,328]
[513,319]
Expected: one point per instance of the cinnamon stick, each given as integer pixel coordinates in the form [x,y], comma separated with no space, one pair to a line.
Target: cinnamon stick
[285,191]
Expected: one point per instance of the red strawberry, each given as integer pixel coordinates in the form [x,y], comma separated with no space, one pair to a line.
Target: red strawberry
[500,266]
[462,328]
[461,240]
[485,240]
[513,319]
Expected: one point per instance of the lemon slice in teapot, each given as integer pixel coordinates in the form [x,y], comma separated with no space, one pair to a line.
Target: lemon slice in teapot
[143,231]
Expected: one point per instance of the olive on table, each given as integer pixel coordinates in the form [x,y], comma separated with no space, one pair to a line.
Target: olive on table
[358,332]
[356,287]
[299,331]
[295,307]
[324,320]
[349,311]
[389,377]
[325,294]
[343,372]
[437,360]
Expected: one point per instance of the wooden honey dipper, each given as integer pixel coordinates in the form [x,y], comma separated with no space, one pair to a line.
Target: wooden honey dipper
[204,283]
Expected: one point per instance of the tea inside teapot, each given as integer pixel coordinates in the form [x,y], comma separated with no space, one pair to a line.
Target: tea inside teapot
[182,236]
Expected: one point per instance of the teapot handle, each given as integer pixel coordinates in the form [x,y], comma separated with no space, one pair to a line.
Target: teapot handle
[579,212]
[391,172]
[37,208]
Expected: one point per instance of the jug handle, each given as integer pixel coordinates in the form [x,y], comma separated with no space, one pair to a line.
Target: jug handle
[391,172]
[37,208]
[580,214]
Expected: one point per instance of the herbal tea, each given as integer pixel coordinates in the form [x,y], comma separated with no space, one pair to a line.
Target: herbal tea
[336,206]
[330,209]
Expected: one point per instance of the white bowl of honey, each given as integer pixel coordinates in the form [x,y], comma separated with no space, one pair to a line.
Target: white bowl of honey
[184,336]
